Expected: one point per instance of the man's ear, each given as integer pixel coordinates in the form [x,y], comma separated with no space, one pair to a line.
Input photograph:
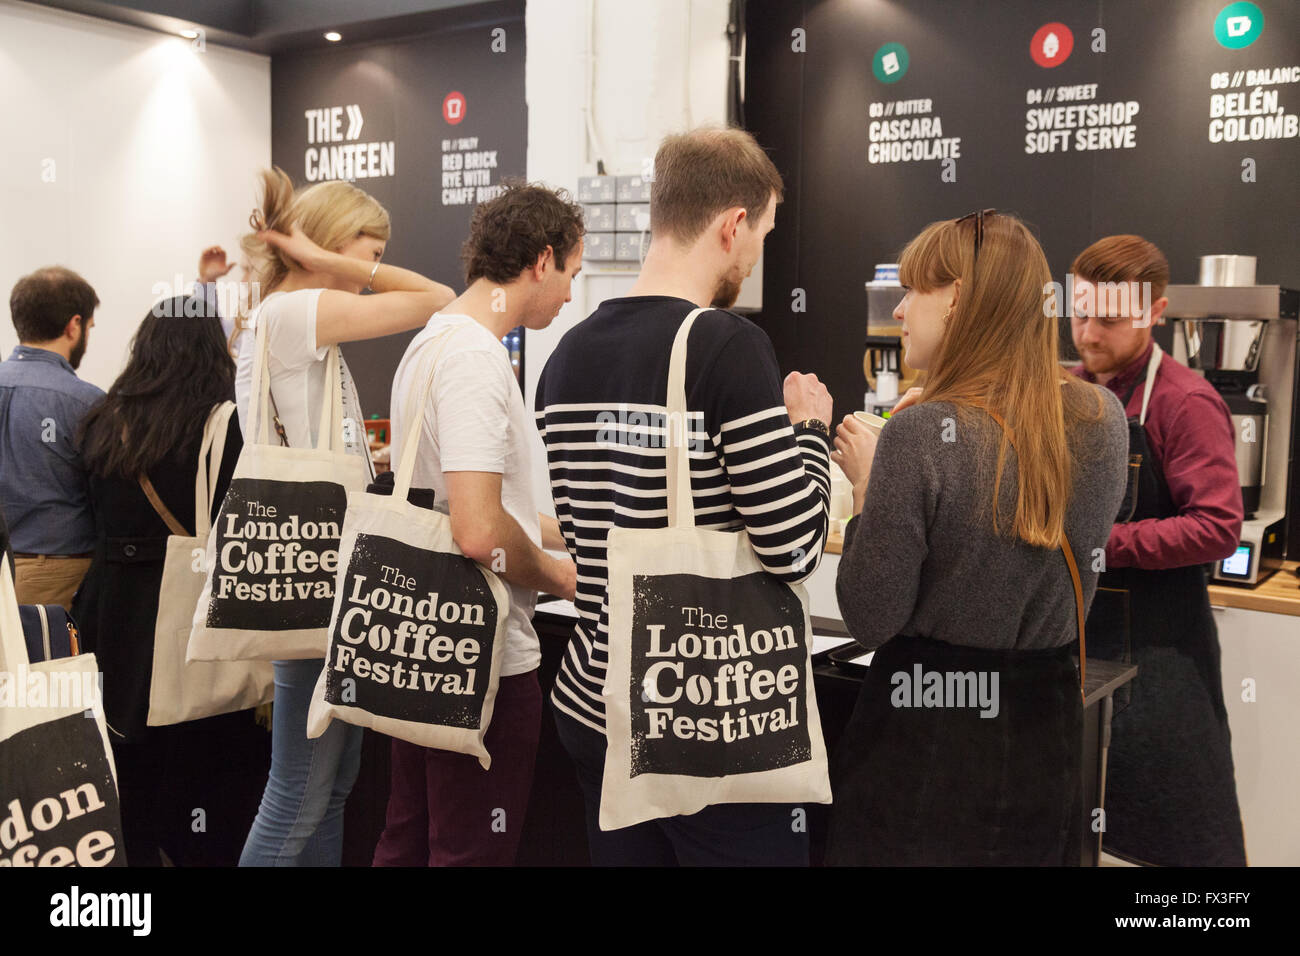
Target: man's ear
[544,261]
[1158,310]
[73,329]
[731,220]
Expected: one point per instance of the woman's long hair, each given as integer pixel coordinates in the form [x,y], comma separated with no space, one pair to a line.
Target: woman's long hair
[177,370]
[331,214]
[999,351]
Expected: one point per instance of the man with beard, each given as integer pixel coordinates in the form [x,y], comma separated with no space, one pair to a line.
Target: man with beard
[759,449]
[1171,798]
[43,487]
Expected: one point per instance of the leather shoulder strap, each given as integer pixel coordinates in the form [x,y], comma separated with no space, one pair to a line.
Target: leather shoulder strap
[162,510]
[1078,607]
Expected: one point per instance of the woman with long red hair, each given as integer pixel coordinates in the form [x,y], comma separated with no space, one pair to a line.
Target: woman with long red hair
[986,494]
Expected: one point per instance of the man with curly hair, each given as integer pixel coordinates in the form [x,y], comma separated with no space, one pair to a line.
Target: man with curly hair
[523,251]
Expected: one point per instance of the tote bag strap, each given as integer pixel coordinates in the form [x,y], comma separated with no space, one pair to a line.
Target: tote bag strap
[13,646]
[259,393]
[415,419]
[1070,563]
[677,431]
[205,479]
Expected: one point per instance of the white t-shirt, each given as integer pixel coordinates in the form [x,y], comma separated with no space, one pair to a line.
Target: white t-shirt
[474,421]
[297,369]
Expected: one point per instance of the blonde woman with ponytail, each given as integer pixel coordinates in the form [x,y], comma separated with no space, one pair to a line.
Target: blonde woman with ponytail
[964,747]
[312,253]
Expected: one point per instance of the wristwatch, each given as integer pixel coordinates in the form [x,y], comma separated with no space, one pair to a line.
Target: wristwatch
[816,425]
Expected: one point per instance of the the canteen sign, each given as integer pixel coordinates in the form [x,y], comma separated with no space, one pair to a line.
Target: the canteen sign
[718,675]
[335,149]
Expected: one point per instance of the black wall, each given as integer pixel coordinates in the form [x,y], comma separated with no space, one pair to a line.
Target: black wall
[400,86]
[971,57]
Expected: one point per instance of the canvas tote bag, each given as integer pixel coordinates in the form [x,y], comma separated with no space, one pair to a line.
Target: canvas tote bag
[58,784]
[272,557]
[709,692]
[180,691]
[418,630]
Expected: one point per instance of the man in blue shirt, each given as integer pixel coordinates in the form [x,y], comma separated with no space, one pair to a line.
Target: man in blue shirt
[44,492]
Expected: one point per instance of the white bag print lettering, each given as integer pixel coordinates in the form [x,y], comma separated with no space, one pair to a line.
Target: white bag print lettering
[178,690]
[417,634]
[272,556]
[58,785]
[709,692]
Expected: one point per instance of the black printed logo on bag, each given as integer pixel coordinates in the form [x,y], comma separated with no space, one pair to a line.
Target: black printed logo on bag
[277,547]
[718,675]
[62,808]
[415,633]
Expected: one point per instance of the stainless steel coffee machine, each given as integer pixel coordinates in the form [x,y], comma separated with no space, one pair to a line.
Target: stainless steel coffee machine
[1243,338]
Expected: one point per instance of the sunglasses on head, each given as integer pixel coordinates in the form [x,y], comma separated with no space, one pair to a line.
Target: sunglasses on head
[979,226]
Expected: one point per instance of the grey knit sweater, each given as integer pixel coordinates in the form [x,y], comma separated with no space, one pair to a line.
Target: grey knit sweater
[922,559]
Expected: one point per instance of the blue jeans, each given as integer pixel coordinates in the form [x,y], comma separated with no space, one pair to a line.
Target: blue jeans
[300,821]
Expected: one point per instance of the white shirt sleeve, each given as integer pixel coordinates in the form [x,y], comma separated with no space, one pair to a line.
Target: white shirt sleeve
[471,393]
[293,329]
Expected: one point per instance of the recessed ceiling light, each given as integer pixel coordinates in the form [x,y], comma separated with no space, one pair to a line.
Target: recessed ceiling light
[190,34]
[333,37]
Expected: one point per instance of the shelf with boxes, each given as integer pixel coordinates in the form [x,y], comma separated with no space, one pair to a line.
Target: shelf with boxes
[616,210]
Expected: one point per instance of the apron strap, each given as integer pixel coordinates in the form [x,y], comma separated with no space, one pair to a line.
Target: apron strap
[1152,364]
[1069,561]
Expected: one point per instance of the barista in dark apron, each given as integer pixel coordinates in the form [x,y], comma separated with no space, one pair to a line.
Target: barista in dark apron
[1171,798]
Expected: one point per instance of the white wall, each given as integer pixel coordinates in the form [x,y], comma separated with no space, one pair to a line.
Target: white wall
[154,146]
[659,67]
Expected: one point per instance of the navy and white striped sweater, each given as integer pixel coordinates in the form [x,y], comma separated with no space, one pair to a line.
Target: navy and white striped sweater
[600,410]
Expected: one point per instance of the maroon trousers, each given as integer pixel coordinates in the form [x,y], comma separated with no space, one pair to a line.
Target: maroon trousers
[444,809]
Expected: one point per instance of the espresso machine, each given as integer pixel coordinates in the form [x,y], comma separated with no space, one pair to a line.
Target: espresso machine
[1243,338]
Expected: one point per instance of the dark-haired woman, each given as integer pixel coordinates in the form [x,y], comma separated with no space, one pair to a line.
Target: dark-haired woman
[151,423]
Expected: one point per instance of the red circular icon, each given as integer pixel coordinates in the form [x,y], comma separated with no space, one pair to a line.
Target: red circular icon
[453,107]
[1051,45]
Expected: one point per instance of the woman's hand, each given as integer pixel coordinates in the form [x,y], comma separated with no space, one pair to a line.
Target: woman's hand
[213,265]
[297,246]
[855,449]
[910,397]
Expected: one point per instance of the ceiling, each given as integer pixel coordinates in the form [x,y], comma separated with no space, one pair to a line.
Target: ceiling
[274,26]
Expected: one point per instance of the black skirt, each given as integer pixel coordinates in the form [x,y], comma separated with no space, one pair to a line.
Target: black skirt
[979,766]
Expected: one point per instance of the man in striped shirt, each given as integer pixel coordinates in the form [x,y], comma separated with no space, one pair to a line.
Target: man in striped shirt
[759,456]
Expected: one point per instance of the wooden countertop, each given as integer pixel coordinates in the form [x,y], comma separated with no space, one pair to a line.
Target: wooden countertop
[1279,594]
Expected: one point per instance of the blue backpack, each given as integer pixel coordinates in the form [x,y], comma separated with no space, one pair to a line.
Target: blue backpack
[50,632]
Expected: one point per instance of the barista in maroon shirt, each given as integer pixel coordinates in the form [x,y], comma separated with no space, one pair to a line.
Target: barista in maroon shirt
[1171,798]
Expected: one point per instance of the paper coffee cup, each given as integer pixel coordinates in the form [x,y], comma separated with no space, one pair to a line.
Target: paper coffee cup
[874,422]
